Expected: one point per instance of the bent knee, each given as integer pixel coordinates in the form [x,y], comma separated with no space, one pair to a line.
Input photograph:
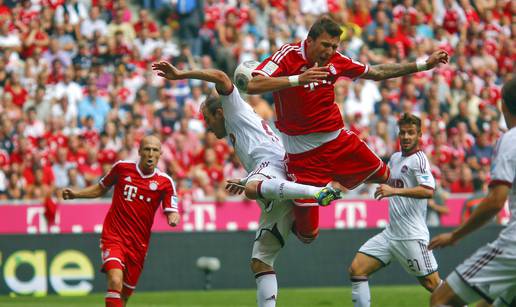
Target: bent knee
[251,189]
[258,266]
[307,238]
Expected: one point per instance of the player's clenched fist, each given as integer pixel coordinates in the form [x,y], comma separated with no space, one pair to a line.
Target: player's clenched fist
[68,194]
[384,191]
[314,74]
[173,219]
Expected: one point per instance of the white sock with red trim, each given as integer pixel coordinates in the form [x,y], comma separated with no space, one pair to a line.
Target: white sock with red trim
[360,294]
[282,189]
[113,298]
[266,289]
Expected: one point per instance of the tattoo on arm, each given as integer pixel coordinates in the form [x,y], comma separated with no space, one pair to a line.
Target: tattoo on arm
[387,71]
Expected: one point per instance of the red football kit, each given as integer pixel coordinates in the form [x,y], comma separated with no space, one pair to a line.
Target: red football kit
[127,226]
[306,109]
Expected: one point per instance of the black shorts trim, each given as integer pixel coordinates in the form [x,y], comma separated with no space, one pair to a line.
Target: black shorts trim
[383,263]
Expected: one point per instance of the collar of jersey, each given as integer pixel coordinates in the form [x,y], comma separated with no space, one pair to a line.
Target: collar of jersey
[142,174]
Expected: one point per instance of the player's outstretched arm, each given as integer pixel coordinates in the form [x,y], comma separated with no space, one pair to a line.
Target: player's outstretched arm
[387,71]
[262,84]
[384,190]
[92,191]
[488,208]
[168,71]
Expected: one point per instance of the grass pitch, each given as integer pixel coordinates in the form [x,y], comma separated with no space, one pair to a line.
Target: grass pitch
[383,296]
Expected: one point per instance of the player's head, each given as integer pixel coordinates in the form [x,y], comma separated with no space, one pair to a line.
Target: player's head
[213,114]
[509,102]
[149,151]
[323,40]
[409,132]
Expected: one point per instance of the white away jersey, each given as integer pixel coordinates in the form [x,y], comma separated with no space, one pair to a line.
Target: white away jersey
[407,215]
[253,139]
[503,171]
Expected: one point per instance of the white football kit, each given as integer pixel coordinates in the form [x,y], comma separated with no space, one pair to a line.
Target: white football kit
[261,153]
[490,273]
[406,237]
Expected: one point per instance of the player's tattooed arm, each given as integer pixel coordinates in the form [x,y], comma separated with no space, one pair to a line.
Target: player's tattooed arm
[93,191]
[393,70]
[168,71]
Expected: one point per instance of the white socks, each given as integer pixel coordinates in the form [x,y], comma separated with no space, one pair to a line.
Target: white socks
[282,189]
[360,294]
[266,289]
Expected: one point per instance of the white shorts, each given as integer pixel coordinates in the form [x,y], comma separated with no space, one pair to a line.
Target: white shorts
[413,255]
[490,273]
[276,217]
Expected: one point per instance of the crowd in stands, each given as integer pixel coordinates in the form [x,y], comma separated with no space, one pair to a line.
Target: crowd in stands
[77,92]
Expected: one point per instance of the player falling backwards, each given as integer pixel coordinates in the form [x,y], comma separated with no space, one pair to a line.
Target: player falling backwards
[261,154]
[140,188]
[302,76]
[406,237]
[490,273]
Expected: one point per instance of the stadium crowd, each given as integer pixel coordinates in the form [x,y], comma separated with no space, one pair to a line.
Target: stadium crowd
[77,92]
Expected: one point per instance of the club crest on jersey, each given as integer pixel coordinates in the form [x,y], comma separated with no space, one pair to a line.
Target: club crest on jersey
[105,254]
[404,169]
[153,185]
[332,69]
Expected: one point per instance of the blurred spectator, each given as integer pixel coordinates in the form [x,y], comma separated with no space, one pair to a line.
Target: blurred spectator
[77,76]
[437,204]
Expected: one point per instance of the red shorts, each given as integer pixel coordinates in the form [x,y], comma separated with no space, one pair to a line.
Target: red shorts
[115,255]
[346,159]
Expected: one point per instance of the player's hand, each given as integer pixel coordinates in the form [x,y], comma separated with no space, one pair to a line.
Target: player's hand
[439,56]
[314,74]
[384,190]
[234,187]
[442,240]
[167,70]
[68,194]
[173,218]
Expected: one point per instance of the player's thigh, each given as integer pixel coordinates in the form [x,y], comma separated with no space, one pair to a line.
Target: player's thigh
[430,281]
[414,257]
[353,161]
[489,273]
[274,228]
[133,270]
[445,296]
[371,256]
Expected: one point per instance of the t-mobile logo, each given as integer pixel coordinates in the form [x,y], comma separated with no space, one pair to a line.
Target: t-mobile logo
[130,192]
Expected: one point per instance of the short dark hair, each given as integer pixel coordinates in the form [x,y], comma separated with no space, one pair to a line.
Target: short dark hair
[410,119]
[212,103]
[322,25]
[509,95]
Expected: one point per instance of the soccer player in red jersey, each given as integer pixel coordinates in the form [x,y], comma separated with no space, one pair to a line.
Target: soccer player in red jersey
[319,150]
[139,190]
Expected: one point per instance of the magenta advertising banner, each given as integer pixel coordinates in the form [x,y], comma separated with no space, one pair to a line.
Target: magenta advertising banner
[204,216]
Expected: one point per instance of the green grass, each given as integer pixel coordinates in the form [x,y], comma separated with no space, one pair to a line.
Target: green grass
[384,296]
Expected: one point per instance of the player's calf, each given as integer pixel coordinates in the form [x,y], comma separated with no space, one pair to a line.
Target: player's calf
[115,279]
[266,283]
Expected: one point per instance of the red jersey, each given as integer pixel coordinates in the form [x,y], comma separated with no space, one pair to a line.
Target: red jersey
[307,108]
[135,200]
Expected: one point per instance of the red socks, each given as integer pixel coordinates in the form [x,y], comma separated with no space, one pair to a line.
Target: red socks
[113,299]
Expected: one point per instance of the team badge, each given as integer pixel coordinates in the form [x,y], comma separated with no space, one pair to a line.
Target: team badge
[105,253]
[333,70]
[404,169]
[153,185]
